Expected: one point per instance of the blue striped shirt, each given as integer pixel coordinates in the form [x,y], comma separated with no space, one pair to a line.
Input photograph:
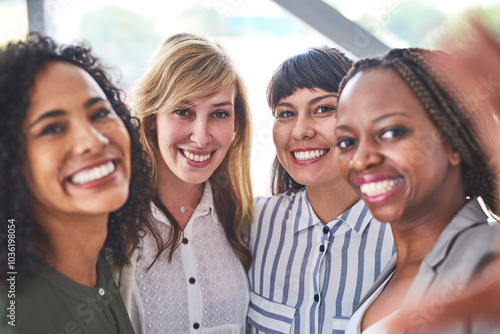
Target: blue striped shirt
[307,277]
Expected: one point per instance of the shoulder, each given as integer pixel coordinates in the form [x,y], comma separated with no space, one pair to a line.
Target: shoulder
[479,238]
[469,249]
[280,202]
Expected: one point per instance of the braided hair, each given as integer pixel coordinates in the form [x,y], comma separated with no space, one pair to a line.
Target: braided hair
[446,107]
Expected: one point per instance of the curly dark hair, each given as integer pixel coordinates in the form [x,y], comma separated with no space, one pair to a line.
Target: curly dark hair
[19,63]
[424,73]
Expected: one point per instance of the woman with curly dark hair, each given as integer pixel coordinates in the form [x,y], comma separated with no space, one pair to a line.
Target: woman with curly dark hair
[74,190]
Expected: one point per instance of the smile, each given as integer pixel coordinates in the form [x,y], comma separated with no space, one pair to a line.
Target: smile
[378,188]
[95,173]
[195,157]
[309,155]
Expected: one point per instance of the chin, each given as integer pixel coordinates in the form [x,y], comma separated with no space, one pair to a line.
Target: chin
[108,204]
[385,215]
[195,177]
[199,180]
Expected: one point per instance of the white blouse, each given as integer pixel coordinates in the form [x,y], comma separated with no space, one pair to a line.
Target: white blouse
[203,290]
[380,327]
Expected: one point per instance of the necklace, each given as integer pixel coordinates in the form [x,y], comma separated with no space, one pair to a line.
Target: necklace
[183,209]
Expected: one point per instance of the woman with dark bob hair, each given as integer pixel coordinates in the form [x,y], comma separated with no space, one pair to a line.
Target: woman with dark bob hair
[316,247]
[74,190]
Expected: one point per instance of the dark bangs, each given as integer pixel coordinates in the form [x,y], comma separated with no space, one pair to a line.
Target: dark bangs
[322,67]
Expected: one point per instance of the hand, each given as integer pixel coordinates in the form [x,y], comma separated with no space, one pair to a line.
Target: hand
[472,73]
[475,73]
[481,301]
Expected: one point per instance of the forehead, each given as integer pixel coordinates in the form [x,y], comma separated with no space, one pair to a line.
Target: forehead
[375,90]
[225,94]
[60,81]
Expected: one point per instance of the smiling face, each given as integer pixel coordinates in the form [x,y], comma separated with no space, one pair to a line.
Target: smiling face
[78,149]
[193,140]
[304,137]
[390,151]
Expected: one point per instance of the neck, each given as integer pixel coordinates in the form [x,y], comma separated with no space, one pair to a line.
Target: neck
[175,193]
[329,200]
[73,245]
[415,237]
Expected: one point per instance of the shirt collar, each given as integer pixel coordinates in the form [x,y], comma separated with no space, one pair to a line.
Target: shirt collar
[205,207]
[468,216]
[356,218]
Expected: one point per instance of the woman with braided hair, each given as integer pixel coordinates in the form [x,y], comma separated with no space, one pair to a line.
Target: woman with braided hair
[408,149]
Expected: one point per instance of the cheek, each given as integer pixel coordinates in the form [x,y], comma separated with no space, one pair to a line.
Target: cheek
[280,136]
[40,171]
[327,132]
[168,134]
[414,157]
[124,139]
[343,164]
[224,134]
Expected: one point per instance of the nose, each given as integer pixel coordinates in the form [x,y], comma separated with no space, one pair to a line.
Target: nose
[201,134]
[89,140]
[303,128]
[365,157]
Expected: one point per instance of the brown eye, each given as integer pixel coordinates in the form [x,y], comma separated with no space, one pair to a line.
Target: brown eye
[181,112]
[393,133]
[52,129]
[100,113]
[345,142]
[285,114]
[324,109]
[221,114]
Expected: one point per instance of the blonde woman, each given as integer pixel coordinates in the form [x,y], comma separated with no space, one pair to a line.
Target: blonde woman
[190,277]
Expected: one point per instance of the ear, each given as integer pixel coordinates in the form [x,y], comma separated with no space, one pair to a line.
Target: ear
[150,123]
[454,158]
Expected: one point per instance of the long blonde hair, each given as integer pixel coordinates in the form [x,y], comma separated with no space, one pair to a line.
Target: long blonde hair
[184,67]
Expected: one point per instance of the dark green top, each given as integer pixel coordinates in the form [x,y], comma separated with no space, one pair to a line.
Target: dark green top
[51,303]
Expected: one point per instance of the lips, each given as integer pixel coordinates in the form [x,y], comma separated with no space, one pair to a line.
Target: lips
[378,188]
[309,154]
[94,173]
[196,157]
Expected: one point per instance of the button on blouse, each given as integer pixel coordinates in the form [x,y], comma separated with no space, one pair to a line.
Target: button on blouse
[204,288]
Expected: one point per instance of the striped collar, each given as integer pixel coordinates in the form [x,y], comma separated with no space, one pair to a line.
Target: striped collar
[356,218]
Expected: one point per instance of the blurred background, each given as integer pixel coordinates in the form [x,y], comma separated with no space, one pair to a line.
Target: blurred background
[258,35]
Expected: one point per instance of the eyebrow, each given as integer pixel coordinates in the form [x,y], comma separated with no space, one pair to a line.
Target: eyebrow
[322,97]
[223,104]
[313,101]
[396,113]
[188,104]
[58,112]
[378,119]
[49,114]
[90,102]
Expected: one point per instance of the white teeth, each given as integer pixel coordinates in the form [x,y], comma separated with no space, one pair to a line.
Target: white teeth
[309,155]
[93,174]
[378,188]
[194,157]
